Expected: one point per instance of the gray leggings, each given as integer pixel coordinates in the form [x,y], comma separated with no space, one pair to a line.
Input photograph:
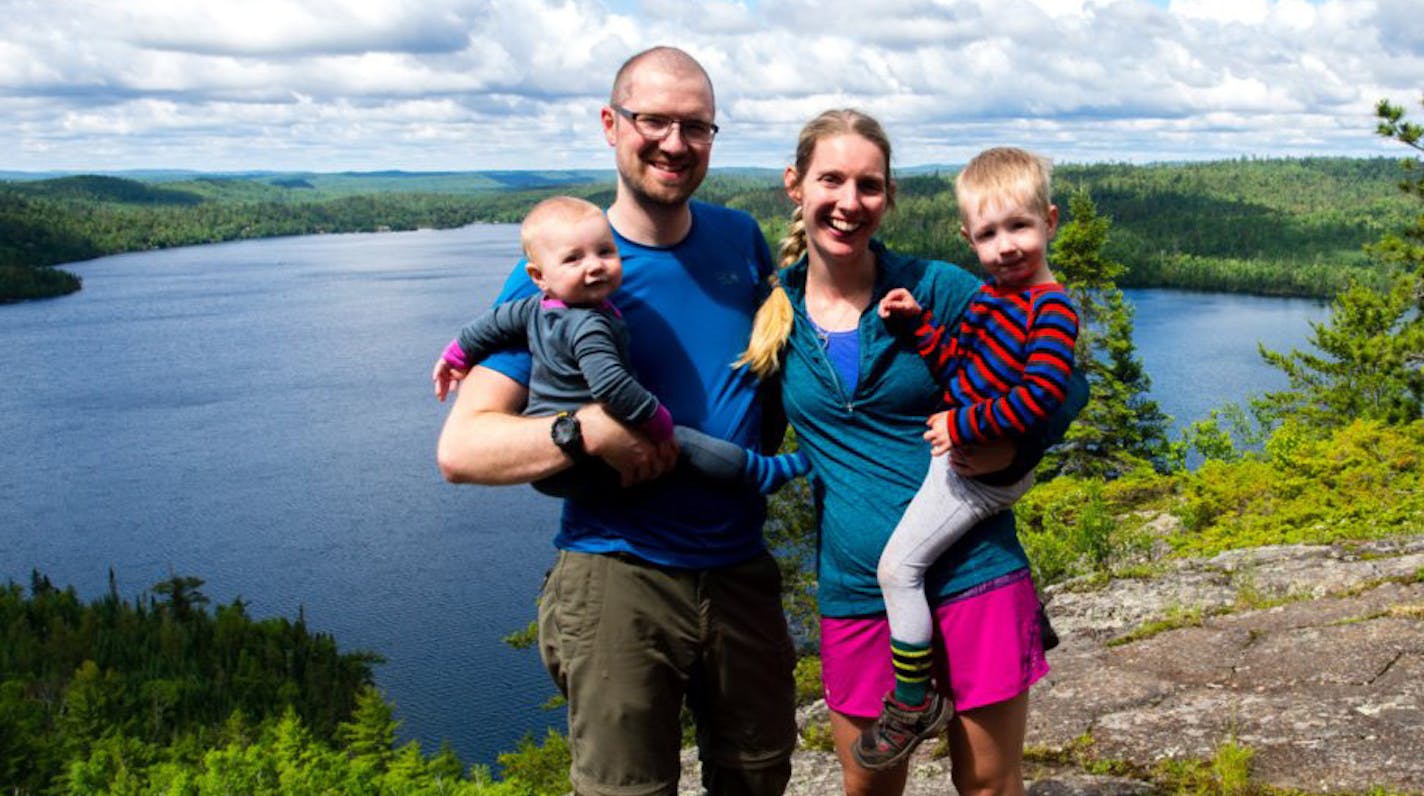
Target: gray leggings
[944,509]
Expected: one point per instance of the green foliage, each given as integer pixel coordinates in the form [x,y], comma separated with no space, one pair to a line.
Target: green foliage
[1228,432]
[1177,617]
[540,769]
[1370,360]
[524,638]
[1368,363]
[808,679]
[1275,227]
[1291,227]
[155,670]
[1120,426]
[1360,481]
[18,283]
[817,736]
[1077,527]
[371,733]
[1306,485]
[127,698]
[791,537]
[78,218]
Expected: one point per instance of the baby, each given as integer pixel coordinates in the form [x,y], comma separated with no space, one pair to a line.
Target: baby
[579,345]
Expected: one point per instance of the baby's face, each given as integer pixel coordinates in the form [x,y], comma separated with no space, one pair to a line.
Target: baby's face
[577,262]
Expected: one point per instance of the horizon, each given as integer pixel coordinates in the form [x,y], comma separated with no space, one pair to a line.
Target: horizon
[145,173]
[474,85]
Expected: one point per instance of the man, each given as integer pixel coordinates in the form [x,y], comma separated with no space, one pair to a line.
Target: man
[661,592]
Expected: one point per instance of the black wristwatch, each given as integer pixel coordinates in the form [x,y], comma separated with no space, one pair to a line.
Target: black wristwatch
[568,435]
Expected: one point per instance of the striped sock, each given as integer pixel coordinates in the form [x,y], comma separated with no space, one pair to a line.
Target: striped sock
[769,473]
[913,664]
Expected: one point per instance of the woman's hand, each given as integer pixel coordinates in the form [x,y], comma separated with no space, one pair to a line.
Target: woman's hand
[982,458]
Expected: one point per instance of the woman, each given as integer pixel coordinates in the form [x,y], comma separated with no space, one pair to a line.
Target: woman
[857,396]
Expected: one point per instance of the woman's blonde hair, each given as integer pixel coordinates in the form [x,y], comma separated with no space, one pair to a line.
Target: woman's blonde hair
[772,325]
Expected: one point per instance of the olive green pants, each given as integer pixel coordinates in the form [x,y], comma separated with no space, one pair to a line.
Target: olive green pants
[628,641]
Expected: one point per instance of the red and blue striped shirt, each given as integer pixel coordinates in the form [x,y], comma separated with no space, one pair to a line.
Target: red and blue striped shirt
[1006,366]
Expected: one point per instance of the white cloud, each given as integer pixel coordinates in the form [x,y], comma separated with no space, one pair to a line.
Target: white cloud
[463,84]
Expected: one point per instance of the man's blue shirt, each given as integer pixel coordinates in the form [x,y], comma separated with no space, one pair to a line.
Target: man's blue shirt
[689,309]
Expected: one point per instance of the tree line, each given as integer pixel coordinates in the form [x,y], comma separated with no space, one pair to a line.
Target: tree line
[1275,226]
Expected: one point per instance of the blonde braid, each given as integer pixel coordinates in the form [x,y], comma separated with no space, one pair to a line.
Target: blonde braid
[772,325]
[794,244]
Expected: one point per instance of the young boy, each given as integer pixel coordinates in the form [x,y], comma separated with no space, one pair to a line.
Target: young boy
[579,345]
[1003,370]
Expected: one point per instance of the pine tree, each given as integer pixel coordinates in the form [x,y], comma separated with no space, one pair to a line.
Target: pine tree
[1120,427]
[371,733]
[1370,360]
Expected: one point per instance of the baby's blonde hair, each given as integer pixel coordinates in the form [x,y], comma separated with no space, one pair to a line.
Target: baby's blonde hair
[772,325]
[554,210]
[1005,172]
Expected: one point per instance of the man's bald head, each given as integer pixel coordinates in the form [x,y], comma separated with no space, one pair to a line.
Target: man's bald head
[666,59]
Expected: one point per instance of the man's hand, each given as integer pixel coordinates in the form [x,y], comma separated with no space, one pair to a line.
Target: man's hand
[446,378]
[982,458]
[899,304]
[634,457]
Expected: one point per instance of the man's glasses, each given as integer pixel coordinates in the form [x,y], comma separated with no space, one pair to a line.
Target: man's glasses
[655,128]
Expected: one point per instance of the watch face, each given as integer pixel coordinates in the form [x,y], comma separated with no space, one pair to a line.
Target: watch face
[566,431]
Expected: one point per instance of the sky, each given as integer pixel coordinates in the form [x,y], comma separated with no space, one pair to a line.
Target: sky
[459,85]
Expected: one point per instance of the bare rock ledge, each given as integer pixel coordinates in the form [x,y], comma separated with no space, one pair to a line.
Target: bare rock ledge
[1310,656]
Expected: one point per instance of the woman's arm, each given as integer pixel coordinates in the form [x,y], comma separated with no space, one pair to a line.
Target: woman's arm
[1027,451]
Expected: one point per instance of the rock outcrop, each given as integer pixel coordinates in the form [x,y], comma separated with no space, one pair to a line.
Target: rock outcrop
[1311,657]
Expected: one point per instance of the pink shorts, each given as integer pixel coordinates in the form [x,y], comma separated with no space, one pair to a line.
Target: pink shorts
[989,636]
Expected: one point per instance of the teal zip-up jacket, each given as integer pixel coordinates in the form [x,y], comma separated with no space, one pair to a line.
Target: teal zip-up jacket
[867,451]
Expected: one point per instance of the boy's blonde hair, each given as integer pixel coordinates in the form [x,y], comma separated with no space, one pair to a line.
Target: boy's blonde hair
[554,210]
[1005,172]
[772,325]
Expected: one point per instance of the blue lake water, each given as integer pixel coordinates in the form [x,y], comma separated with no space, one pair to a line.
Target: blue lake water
[259,414]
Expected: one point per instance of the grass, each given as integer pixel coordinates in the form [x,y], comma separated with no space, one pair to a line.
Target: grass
[1177,618]
[1227,772]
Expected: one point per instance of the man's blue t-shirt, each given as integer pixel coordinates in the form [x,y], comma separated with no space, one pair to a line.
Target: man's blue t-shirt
[689,310]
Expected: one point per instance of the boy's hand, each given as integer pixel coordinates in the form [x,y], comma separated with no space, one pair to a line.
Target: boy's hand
[938,433]
[446,378]
[899,304]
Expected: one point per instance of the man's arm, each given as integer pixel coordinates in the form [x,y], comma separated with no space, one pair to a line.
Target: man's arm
[486,441]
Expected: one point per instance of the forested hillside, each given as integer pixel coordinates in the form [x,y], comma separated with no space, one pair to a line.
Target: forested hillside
[1290,227]
[157,695]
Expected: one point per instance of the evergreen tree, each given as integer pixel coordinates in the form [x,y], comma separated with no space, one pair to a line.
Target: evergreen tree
[371,734]
[1370,363]
[1120,427]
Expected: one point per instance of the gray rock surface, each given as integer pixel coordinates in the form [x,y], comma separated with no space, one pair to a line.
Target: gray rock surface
[1310,656]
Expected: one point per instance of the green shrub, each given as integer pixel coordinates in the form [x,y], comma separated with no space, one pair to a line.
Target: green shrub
[1360,481]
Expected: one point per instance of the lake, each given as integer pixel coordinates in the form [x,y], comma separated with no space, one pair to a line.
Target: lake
[258,414]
